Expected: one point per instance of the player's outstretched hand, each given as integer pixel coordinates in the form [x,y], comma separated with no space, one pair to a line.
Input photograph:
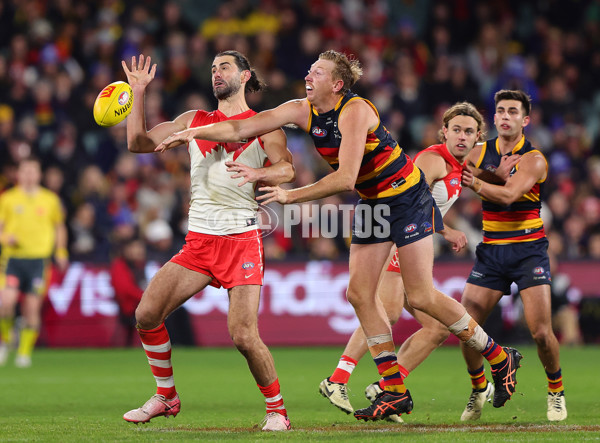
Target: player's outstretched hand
[249,175]
[175,139]
[141,73]
[273,194]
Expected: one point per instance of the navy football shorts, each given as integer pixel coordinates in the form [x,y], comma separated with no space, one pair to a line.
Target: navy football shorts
[27,274]
[498,266]
[403,219]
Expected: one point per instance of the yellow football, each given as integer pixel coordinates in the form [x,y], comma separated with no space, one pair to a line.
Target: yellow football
[113,104]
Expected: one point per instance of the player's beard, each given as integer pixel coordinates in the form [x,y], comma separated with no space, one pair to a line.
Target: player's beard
[223,93]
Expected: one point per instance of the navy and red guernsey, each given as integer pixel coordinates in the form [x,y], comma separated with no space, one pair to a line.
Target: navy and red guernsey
[385,170]
[520,221]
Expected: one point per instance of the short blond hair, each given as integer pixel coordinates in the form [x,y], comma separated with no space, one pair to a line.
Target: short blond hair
[463,108]
[346,70]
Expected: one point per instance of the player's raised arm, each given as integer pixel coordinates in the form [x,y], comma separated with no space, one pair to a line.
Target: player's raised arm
[292,112]
[139,139]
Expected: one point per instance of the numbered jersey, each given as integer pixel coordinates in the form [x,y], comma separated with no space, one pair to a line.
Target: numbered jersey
[218,205]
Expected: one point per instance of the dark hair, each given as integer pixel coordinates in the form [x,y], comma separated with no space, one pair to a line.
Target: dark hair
[507,94]
[254,84]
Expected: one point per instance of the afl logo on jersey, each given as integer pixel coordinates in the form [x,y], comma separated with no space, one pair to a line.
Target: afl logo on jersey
[538,270]
[410,228]
[454,182]
[318,132]
[248,265]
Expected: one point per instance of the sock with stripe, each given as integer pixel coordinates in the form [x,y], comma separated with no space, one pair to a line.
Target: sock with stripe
[403,373]
[478,380]
[384,355]
[555,383]
[157,345]
[473,335]
[27,340]
[273,398]
[344,370]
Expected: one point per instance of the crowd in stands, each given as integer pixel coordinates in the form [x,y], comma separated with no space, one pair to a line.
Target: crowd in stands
[418,57]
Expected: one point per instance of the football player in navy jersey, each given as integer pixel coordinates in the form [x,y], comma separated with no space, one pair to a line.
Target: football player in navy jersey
[514,246]
[395,207]
[442,164]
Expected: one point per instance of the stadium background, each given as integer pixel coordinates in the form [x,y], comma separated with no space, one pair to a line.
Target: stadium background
[419,57]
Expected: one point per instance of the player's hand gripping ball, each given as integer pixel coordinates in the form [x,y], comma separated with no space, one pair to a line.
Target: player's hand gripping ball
[113,104]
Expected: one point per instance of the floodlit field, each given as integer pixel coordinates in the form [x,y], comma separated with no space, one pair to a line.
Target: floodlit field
[81,395]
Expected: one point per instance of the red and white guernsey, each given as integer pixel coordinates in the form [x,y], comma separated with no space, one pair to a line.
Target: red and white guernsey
[218,205]
[446,190]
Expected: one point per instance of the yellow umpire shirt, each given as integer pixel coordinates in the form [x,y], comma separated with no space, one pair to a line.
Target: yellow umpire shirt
[32,219]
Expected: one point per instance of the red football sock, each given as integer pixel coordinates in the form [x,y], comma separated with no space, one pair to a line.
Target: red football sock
[273,398]
[157,345]
[344,370]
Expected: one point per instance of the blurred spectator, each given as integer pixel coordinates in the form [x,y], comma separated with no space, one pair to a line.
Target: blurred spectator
[159,236]
[565,317]
[128,278]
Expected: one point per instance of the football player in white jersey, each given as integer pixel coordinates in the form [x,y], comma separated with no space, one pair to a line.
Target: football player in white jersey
[223,247]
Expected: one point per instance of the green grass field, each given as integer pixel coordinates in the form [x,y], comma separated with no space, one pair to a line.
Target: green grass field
[81,395]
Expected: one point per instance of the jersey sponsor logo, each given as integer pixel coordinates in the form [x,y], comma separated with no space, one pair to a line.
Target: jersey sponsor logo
[318,132]
[398,183]
[475,274]
[410,228]
[454,182]
[248,265]
[427,227]
[491,168]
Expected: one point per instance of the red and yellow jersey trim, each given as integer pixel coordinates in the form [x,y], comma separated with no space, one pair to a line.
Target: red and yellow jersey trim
[412,179]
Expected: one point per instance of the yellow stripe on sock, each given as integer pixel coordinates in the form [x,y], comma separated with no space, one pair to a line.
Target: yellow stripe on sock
[391,371]
[498,359]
